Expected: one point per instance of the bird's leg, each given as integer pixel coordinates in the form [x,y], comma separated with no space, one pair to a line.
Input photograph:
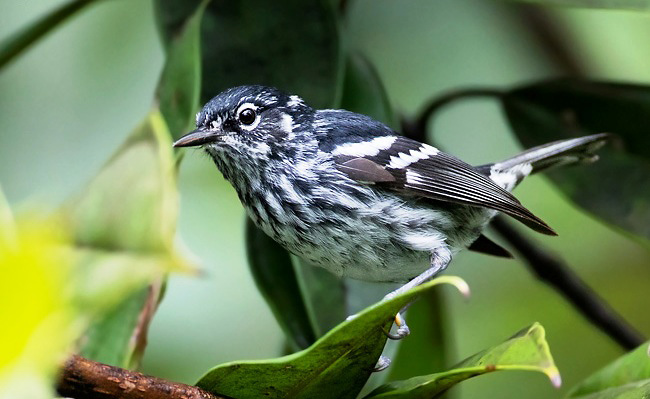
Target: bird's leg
[440,258]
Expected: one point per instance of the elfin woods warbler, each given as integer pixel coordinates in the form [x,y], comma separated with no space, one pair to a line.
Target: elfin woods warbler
[347,193]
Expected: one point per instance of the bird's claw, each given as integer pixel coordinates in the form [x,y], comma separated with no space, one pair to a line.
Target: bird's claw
[382,364]
[402,332]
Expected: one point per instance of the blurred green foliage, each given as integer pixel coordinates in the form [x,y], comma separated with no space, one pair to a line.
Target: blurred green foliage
[69,101]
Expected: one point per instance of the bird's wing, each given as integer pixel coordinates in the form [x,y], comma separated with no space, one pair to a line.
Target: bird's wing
[407,166]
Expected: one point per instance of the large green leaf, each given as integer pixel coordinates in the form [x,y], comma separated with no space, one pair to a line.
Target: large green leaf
[527,350]
[275,276]
[626,377]
[17,43]
[132,204]
[126,220]
[617,187]
[291,44]
[180,82]
[110,337]
[123,225]
[336,366]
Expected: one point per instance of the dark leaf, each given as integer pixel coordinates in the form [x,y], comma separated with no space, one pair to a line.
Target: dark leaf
[180,82]
[292,45]
[276,278]
[617,187]
[336,366]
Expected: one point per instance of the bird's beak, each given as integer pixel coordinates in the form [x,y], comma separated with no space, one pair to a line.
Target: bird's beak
[197,137]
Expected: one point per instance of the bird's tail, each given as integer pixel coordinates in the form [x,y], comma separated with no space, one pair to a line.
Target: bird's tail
[510,172]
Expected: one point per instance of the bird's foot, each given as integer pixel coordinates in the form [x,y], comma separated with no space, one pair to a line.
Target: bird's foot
[403,329]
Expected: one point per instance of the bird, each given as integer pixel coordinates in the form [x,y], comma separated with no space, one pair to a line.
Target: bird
[349,194]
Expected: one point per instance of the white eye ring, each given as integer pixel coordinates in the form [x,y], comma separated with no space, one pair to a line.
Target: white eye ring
[252,107]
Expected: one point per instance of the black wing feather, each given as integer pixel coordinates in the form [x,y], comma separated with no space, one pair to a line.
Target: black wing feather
[440,177]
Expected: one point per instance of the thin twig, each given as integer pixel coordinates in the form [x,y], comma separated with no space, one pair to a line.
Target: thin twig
[84,379]
[551,269]
[417,128]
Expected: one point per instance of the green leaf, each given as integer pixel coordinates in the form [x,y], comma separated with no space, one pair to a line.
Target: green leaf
[336,366]
[17,43]
[111,339]
[119,337]
[638,5]
[247,42]
[634,390]
[626,377]
[180,82]
[363,91]
[617,187]
[132,204]
[527,350]
[124,225]
[275,276]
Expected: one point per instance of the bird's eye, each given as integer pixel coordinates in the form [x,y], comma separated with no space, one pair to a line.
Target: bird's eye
[247,116]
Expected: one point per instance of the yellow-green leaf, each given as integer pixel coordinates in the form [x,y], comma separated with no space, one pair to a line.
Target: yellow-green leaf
[527,350]
[124,225]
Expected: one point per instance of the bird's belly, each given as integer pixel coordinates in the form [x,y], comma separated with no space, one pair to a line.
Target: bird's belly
[389,241]
[361,258]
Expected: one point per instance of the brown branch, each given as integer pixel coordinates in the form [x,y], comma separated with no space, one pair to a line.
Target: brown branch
[84,379]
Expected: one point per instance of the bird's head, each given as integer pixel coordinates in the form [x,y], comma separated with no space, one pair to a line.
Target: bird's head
[250,124]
